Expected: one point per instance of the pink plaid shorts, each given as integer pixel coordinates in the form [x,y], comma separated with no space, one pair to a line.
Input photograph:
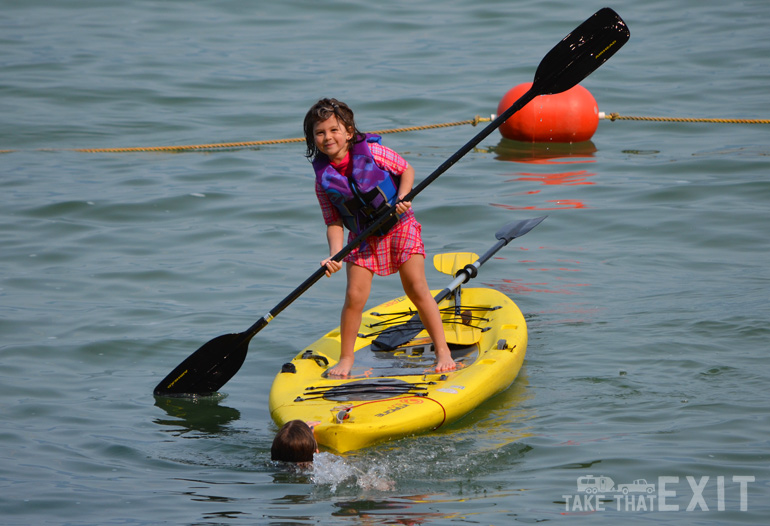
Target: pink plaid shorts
[384,255]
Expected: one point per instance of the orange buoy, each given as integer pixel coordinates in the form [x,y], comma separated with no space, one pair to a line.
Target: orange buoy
[571,116]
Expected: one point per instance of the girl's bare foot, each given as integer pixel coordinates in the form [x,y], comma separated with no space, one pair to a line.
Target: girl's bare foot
[343,367]
[445,361]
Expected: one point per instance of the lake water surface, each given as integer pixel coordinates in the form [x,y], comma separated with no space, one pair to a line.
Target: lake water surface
[645,290]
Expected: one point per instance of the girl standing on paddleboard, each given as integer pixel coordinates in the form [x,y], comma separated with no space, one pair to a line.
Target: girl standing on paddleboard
[357,179]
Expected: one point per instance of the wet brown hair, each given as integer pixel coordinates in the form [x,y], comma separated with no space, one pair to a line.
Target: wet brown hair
[322,110]
[294,442]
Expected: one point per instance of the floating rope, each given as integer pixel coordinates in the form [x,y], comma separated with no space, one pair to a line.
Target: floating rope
[240,145]
[475,122]
[188,147]
[615,117]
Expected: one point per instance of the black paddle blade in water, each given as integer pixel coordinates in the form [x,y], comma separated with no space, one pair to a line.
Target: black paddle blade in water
[207,369]
[586,48]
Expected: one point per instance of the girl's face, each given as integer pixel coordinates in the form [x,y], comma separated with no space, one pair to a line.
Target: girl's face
[332,138]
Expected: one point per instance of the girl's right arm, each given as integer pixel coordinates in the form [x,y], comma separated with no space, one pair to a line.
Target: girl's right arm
[335,236]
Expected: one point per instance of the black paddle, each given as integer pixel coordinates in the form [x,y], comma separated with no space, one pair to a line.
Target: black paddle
[400,334]
[582,51]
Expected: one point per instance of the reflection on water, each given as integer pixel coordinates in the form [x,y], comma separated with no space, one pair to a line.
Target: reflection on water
[543,153]
[559,275]
[414,509]
[557,204]
[554,179]
[559,178]
[202,415]
[547,154]
[400,510]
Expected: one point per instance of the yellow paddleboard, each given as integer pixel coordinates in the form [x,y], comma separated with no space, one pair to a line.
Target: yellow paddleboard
[396,393]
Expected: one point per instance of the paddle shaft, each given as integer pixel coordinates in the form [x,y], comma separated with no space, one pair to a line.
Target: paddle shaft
[582,51]
[505,235]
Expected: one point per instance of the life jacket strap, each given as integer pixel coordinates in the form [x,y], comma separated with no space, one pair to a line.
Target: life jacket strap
[371,205]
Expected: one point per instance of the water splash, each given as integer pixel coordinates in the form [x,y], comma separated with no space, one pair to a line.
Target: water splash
[331,470]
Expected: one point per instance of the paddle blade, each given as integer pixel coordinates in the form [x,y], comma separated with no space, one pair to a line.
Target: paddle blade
[451,262]
[461,334]
[397,335]
[206,370]
[517,229]
[586,48]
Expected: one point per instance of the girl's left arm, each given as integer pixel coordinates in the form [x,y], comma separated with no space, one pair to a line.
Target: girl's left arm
[404,187]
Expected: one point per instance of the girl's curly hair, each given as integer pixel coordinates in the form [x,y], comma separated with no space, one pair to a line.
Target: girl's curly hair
[322,110]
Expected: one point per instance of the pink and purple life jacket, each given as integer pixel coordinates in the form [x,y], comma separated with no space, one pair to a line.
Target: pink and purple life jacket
[366,195]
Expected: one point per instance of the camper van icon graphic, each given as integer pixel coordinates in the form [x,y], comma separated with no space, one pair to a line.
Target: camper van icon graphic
[592,485]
